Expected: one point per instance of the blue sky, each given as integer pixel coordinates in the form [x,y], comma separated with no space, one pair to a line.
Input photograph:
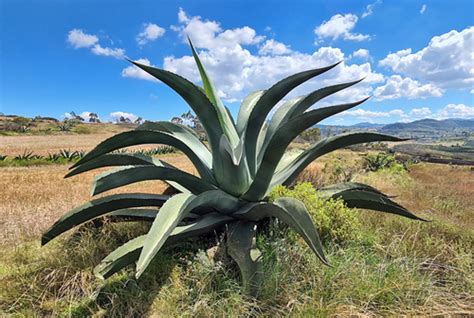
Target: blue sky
[58,56]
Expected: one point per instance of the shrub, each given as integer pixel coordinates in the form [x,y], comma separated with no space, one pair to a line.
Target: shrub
[332,218]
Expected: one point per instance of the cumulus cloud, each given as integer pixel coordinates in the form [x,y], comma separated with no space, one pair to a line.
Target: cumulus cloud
[150,32]
[447,61]
[398,87]
[115,116]
[370,8]
[107,51]
[340,26]
[84,115]
[135,72]
[273,47]
[456,111]
[423,9]
[362,54]
[420,112]
[368,114]
[237,71]
[78,39]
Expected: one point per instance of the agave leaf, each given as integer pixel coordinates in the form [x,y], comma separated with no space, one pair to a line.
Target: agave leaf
[98,207]
[312,98]
[119,177]
[298,105]
[335,189]
[265,104]
[373,201]
[246,108]
[277,119]
[134,214]
[171,213]
[194,151]
[197,100]
[288,174]
[280,141]
[111,160]
[130,251]
[224,119]
[293,213]
[231,172]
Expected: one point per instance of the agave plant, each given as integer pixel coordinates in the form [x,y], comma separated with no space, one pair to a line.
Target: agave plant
[243,161]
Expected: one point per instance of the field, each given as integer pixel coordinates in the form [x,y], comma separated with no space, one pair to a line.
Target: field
[382,265]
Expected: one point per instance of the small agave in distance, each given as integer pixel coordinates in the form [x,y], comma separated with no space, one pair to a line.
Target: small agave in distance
[244,161]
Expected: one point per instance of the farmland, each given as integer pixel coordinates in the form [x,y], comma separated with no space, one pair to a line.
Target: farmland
[381,264]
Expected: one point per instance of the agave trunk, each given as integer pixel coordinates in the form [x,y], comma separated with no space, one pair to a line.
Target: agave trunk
[242,247]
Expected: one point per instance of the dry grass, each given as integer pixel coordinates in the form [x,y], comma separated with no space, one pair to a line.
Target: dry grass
[14,145]
[442,191]
[34,197]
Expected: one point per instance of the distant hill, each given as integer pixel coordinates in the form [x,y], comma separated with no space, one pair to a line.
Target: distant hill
[428,124]
[419,129]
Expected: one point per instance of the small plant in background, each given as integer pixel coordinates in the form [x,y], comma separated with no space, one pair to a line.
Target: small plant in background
[3,157]
[246,158]
[26,155]
[65,126]
[381,160]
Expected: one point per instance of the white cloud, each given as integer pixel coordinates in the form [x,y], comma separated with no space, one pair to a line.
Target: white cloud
[107,51]
[456,111]
[78,39]
[423,9]
[84,115]
[150,32]
[420,112]
[370,9]
[340,26]
[115,116]
[135,72]
[273,47]
[447,61]
[368,114]
[236,71]
[398,87]
[362,54]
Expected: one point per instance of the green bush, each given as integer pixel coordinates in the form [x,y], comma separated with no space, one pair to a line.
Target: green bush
[332,218]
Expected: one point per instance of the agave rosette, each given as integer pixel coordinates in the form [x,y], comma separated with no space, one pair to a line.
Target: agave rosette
[243,161]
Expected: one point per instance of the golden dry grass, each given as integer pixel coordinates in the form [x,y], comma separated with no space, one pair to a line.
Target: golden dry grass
[434,190]
[14,145]
[33,198]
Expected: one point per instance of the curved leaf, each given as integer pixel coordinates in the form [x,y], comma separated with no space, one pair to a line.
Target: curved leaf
[225,119]
[123,176]
[231,172]
[130,251]
[196,99]
[198,156]
[373,201]
[280,141]
[175,210]
[293,213]
[338,188]
[265,104]
[246,108]
[288,174]
[98,207]
[134,214]
[111,160]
